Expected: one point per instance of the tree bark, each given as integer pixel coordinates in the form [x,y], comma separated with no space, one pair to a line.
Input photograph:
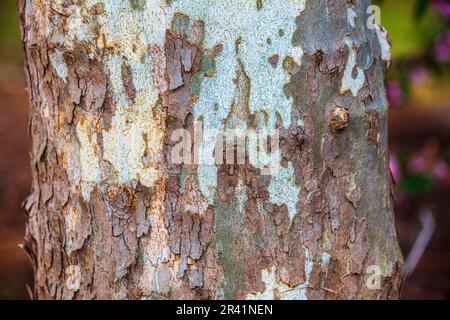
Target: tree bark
[113,216]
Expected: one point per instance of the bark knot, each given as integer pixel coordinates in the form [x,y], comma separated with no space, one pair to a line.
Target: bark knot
[340,119]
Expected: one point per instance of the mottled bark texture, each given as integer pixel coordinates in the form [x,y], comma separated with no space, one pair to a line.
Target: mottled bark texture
[112,217]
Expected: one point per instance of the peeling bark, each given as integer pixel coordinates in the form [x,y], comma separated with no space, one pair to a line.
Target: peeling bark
[112,216]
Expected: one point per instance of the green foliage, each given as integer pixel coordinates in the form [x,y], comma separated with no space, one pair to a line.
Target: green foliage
[411,26]
[421,8]
[415,184]
[11,48]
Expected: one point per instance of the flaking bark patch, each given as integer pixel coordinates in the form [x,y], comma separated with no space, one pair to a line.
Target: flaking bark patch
[127,77]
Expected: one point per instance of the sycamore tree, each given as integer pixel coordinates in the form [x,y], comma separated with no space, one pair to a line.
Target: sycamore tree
[200,149]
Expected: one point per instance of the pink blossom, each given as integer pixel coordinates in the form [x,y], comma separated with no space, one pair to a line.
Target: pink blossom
[428,161]
[418,74]
[395,93]
[442,48]
[442,7]
[418,163]
[394,166]
[440,170]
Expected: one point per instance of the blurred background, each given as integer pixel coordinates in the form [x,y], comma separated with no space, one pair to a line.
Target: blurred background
[418,87]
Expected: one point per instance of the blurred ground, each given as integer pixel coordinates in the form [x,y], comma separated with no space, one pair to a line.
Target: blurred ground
[410,129]
[15,269]
[419,138]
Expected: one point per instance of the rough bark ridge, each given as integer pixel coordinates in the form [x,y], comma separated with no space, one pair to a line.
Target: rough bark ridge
[111,216]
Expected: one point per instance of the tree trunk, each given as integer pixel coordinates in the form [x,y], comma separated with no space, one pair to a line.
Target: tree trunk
[121,89]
